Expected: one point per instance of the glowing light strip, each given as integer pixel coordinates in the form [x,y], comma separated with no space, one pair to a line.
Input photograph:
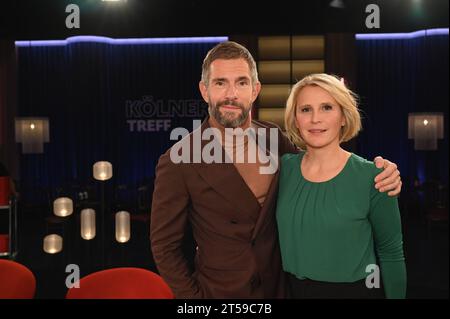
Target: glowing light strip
[97,39]
[397,36]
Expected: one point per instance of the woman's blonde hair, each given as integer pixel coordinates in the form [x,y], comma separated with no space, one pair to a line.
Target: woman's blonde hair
[346,99]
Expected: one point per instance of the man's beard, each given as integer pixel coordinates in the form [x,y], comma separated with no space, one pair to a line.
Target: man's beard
[228,119]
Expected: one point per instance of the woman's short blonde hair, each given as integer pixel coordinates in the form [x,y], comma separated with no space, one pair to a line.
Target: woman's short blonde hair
[346,99]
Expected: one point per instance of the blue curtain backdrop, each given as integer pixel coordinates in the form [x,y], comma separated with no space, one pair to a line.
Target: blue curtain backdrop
[103,102]
[397,77]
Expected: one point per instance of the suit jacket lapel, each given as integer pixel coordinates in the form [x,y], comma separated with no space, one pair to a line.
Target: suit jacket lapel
[270,200]
[269,204]
[225,179]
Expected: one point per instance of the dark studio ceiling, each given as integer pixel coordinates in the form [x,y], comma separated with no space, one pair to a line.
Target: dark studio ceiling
[45,19]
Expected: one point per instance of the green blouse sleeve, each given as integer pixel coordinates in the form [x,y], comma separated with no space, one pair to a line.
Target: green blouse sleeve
[384,217]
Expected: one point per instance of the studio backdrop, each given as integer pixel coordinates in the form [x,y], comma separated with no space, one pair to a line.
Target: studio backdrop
[112,100]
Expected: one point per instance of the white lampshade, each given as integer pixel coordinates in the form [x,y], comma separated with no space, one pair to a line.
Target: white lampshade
[32,132]
[88,223]
[53,244]
[122,226]
[63,207]
[339,4]
[102,170]
[425,129]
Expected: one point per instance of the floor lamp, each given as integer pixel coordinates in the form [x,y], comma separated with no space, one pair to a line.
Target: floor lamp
[103,171]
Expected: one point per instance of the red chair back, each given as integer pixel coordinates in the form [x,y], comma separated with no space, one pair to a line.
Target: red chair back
[5,190]
[16,281]
[4,243]
[121,283]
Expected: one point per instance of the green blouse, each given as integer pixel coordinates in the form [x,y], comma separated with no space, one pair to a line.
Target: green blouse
[331,231]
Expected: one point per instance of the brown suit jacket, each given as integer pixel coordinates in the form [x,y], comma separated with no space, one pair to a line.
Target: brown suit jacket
[238,253]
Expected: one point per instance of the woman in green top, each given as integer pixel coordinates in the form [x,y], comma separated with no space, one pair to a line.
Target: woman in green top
[336,230]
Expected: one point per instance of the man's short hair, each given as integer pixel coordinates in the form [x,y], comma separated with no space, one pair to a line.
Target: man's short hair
[228,50]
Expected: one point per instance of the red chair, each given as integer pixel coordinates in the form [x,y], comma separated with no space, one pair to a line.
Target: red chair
[5,190]
[4,244]
[121,283]
[16,281]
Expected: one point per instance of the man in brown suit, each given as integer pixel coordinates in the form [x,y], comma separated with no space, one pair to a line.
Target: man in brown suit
[229,205]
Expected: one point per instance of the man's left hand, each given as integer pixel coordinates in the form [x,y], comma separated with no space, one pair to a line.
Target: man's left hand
[389,179]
